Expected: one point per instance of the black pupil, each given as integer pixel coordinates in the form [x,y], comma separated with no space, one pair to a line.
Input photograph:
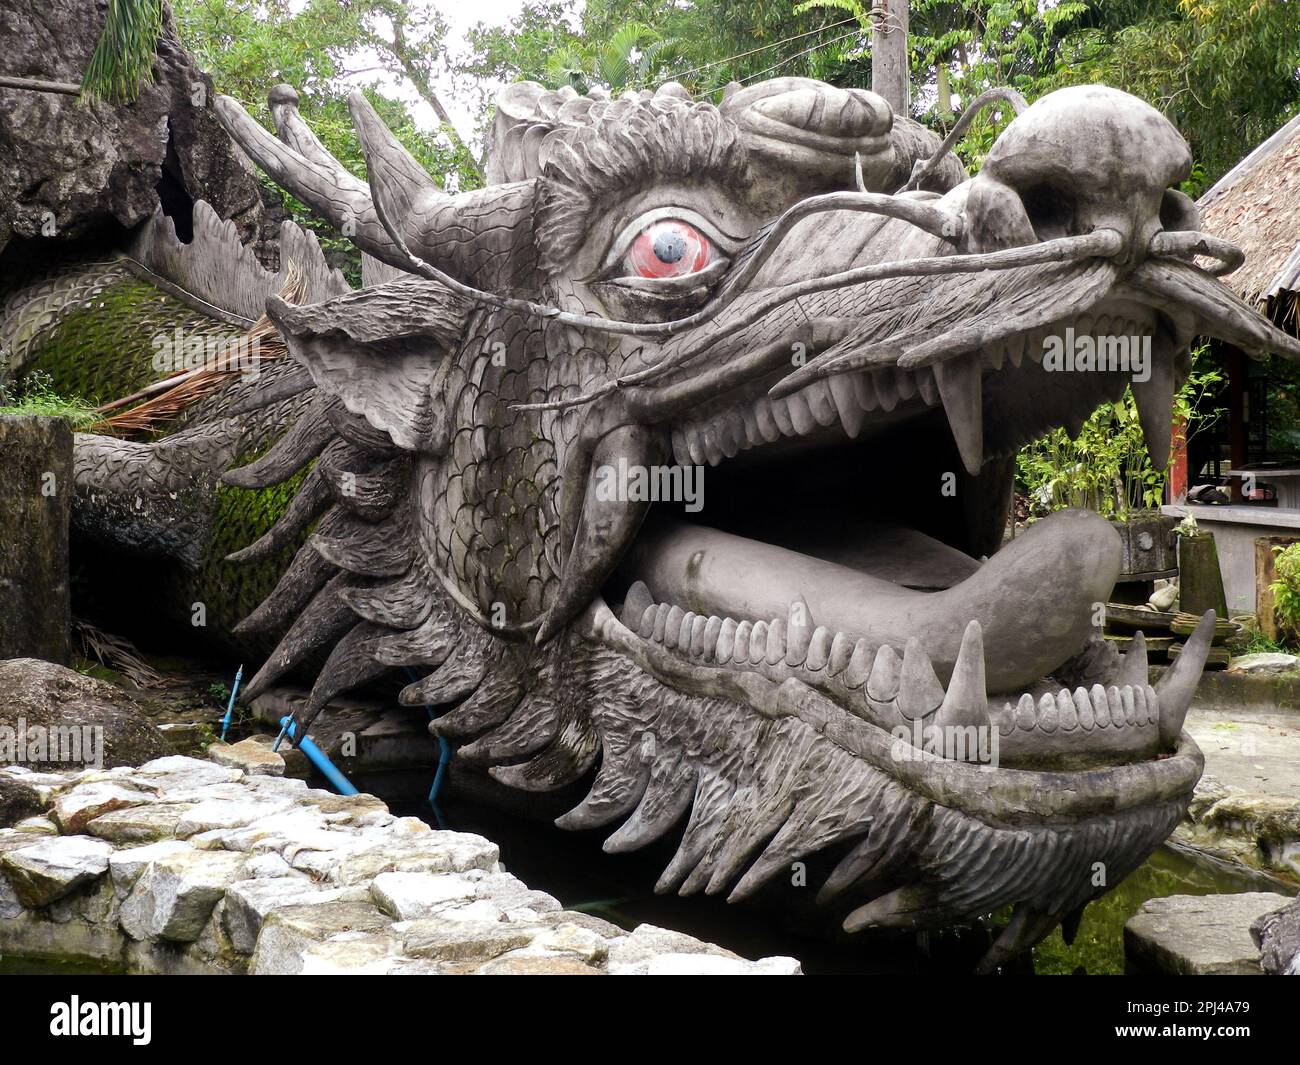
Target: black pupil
[670,246]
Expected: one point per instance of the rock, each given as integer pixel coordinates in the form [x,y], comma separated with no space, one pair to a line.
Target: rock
[253,755]
[37,826]
[1264,663]
[51,868]
[76,808]
[464,942]
[125,866]
[1198,935]
[222,813]
[428,852]
[632,953]
[138,824]
[1277,934]
[266,866]
[713,965]
[410,896]
[17,799]
[513,895]
[250,901]
[569,938]
[85,721]
[97,169]
[291,934]
[537,965]
[175,894]
[180,773]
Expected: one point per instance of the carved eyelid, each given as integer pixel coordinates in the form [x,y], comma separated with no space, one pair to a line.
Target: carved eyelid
[725,244]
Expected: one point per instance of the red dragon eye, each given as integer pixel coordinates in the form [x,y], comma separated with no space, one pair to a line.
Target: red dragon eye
[668,249]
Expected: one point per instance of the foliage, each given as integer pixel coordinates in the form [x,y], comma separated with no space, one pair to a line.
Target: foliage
[1106,467]
[124,52]
[1286,587]
[36,396]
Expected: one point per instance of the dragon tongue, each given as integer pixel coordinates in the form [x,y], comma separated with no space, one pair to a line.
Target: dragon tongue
[1034,598]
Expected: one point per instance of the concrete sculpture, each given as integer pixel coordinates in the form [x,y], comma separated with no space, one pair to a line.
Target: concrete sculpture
[834,653]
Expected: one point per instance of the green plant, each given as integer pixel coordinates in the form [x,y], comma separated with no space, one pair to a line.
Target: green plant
[35,395]
[219,693]
[1105,466]
[1286,588]
[123,56]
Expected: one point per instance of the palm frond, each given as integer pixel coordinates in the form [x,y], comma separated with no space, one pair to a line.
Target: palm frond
[124,54]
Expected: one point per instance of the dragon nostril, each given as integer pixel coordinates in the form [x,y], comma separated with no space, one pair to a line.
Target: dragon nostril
[1051,211]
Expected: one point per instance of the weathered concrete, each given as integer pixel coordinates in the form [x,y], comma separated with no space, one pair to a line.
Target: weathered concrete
[36,485]
[1277,934]
[1198,935]
[275,877]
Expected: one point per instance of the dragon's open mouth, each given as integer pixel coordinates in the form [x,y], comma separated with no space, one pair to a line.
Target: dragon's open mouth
[834,537]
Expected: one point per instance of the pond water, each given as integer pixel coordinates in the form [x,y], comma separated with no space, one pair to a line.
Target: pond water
[619,888]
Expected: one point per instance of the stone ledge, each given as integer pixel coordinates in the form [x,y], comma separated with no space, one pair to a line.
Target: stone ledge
[187,866]
[1198,935]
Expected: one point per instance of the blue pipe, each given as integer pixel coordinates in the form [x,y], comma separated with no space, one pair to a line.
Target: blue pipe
[230,706]
[317,758]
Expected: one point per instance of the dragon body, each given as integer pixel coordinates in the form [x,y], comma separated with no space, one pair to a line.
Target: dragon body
[830,651]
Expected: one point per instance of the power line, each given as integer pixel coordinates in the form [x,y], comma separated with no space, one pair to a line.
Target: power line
[806,51]
[762,48]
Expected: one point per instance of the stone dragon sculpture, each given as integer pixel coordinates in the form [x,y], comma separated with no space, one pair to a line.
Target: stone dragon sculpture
[652,280]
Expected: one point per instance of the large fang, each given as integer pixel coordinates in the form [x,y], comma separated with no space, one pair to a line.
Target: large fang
[1178,684]
[965,703]
[1133,668]
[609,522]
[962,391]
[1155,403]
[919,690]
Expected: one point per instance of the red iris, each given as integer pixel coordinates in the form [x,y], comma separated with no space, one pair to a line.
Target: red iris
[668,249]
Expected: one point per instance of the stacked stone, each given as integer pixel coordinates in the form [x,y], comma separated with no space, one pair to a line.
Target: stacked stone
[184,865]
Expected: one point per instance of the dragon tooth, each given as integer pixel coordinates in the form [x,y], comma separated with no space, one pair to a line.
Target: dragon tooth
[961,387]
[694,437]
[775,650]
[886,391]
[1140,703]
[1100,705]
[661,621]
[740,649]
[863,390]
[1048,719]
[925,385]
[699,627]
[605,526]
[846,404]
[681,451]
[712,446]
[859,668]
[1026,713]
[1177,684]
[758,642]
[712,630]
[672,625]
[1133,667]
[648,617]
[1130,707]
[905,383]
[749,421]
[799,629]
[966,703]
[684,631]
[801,415]
[1083,709]
[1065,711]
[732,433]
[781,415]
[841,651]
[1155,405]
[886,672]
[919,690]
[1116,703]
[819,650]
[820,402]
[726,644]
[634,604]
[767,426]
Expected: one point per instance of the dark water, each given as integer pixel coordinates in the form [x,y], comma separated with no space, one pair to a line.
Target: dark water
[619,888]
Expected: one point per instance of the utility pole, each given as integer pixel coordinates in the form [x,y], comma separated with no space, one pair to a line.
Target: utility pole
[889,73]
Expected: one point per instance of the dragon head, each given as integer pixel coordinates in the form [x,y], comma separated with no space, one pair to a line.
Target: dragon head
[655,297]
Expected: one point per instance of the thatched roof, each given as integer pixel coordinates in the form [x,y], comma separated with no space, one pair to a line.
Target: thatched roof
[1256,206]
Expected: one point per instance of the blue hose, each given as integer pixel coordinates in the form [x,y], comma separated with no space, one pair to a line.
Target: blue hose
[230,706]
[317,758]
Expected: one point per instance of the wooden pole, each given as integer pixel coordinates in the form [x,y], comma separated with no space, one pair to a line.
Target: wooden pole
[39,85]
[889,73]
[35,509]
